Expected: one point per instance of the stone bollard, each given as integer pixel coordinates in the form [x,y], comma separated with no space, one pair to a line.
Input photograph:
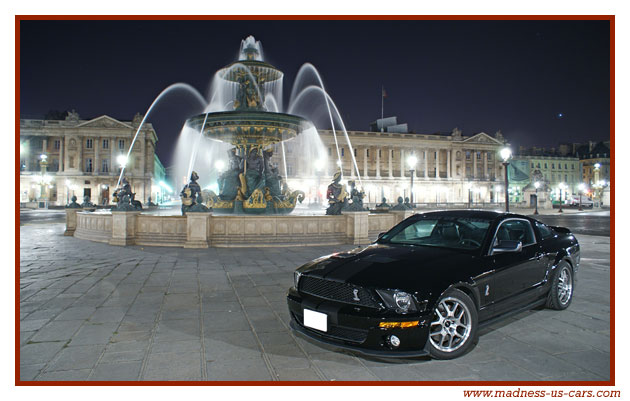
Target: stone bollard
[123,228]
[71,221]
[357,227]
[197,228]
[400,215]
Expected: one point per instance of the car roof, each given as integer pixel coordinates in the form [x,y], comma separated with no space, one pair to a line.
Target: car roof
[474,213]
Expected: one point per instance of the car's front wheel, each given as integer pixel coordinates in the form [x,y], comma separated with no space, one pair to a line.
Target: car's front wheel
[561,292]
[453,330]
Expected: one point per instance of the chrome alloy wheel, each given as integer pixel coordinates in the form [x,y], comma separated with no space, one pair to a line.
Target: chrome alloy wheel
[565,286]
[452,325]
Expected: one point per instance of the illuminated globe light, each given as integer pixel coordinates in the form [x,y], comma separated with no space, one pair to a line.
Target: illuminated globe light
[597,165]
[339,163]
[412,161]
[43,157]
[581,187]
[537,184]
[121,160]
[219,165]
[506,153]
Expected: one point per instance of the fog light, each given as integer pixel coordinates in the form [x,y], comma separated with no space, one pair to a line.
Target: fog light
[393,341]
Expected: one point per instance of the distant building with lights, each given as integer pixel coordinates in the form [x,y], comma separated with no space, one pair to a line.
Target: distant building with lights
[82,158]
[450,167]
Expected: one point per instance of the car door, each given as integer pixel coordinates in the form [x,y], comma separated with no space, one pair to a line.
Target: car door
[516,273]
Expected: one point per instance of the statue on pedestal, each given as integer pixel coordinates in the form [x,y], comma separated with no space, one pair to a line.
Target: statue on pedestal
[400,205]
[336,195]
[383,206]
[190,193]
[73,204]
[125,199]
[356,197]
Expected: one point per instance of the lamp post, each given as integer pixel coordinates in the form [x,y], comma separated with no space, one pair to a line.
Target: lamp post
[580,190]
[596,180]
[561,186]
[411,162]
[506,153]
[536,185]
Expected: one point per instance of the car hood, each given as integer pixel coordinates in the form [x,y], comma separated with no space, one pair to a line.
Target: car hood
[409,268]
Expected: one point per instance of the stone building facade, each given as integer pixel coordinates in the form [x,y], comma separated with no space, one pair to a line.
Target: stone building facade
[451,167]
[82,159]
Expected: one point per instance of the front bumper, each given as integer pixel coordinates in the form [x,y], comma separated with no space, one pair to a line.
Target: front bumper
[357,328]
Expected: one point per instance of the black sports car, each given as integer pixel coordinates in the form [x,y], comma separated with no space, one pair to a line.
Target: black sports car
[426,285]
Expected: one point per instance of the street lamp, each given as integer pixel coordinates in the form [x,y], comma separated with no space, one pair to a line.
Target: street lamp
[506,153]
[219,165]
[536,185]
[412,160]
[122,161]
[562,186]
[581,188]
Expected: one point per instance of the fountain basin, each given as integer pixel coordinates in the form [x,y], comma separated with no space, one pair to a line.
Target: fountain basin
[253,128]
[202,230]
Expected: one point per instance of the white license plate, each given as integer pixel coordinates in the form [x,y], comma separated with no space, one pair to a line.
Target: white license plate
[315,320]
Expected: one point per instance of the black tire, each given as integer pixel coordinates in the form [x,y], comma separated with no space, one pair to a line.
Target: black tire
[561,291]
[449,336]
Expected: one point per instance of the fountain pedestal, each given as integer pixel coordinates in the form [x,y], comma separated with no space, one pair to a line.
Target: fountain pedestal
[71,221]
[357,227]
[197,229]
[400,215]
[123,227]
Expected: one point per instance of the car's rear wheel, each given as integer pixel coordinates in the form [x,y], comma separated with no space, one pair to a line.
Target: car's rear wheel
[561,292]
[453,330]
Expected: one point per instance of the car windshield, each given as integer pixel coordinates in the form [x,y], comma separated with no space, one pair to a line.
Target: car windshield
[445,232]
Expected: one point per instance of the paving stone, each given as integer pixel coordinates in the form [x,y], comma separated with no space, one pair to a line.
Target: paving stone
[29,372]
[76,313]
[64,375]
[31,354]
[231,345]
[90,333]
[107,314]
[292,374]
[176,346]
[78,357]
[225,321]
[254,369]
[57,331]
[173,366]
[32,324]
[178,330]
[129,370]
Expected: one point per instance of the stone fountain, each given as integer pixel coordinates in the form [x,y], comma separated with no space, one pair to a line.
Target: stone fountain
[251,185]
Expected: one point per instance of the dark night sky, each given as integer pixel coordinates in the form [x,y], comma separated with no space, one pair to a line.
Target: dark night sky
[516,76]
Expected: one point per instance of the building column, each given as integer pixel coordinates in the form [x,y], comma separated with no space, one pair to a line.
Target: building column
[485,165]
[448,163]
[402,163]
[474,156]
[390,151]
[66,153]
[112,157]
[96,165]
[437,164]
[378,162]
[80,153]
[61,155]
[365,162]
[426,164]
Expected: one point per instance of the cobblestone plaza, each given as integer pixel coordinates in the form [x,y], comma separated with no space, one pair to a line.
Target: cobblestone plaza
[90,311]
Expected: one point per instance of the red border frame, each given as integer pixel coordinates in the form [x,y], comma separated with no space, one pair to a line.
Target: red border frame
[610,18]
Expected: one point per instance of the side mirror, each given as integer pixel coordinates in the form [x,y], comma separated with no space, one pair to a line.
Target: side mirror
[507,246]
[381,234]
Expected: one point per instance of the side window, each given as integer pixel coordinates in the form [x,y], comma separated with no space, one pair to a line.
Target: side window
[544,230]
[516,230]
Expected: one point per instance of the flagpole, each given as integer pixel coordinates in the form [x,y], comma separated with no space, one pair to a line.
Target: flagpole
[382,106]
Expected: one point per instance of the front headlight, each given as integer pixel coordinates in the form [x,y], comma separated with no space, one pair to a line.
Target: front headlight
[399,301]
[296,278]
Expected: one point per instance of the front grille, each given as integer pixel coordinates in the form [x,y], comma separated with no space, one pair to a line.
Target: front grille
[337,291]
[337,332]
